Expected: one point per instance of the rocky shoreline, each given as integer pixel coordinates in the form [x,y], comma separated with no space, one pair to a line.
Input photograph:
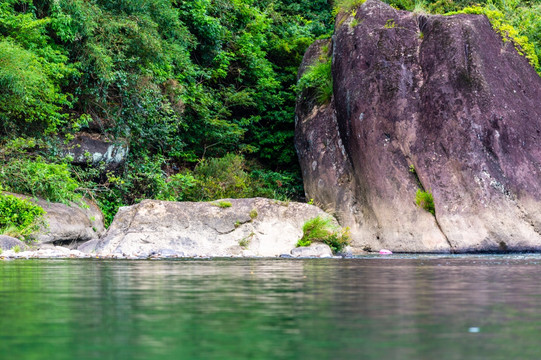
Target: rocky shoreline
[152,229]
[61,252]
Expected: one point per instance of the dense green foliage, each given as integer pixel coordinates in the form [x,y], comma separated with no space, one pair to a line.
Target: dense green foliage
[189,85]
[324,230]
[51,182]
[19,217]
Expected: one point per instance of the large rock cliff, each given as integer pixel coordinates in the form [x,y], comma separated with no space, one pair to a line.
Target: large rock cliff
[437,103]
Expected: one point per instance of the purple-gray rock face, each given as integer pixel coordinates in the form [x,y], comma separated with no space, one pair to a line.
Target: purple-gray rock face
[443,95]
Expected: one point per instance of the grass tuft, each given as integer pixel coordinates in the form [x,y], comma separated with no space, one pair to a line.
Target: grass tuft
[223,204]
[323,230]
[318,80]
[425,200]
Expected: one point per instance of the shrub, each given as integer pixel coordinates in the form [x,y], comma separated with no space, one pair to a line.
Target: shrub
[317,80]
[232,177]
[177,186]
[323,230]
[276,185]
[390,24]
[31,100]
[221,178]
[16,249]
[19,217]
[425,200]
[52,182]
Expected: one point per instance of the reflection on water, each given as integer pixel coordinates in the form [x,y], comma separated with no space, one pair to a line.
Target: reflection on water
[369,308]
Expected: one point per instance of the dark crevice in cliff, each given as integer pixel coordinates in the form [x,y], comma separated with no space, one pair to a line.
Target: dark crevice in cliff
[451,249]
[422,21]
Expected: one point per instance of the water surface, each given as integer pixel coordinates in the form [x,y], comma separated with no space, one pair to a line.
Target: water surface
[418,307]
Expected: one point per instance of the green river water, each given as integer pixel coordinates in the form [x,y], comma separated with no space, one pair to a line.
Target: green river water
[398,307]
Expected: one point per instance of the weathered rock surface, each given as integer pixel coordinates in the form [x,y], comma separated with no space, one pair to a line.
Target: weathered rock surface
[315,250]
[444,94]
[8,242]
[92,149]
[71,224]
[250,227]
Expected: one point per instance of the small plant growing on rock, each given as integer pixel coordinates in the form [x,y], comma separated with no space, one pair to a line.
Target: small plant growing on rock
[390,24]
[317,80]
[425,200]
[323,230]
[16,249]
[253,214]
[223,204]
[245,242]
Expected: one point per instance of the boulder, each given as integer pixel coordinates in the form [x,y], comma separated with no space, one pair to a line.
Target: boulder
[434,103]
[68,224]
[8,242]
[315,250]
[93,149]
[249,227]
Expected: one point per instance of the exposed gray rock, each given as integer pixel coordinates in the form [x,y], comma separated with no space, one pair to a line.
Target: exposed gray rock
[250,227]
[8,242]
[68,224]
[88,246]
[346,252]
[457,103]
[91,149]
[315,250]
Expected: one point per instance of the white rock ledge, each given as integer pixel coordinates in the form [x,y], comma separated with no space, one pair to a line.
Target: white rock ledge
[254,227]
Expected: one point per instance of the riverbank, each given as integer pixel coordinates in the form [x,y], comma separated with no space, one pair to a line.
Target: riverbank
[318,251]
